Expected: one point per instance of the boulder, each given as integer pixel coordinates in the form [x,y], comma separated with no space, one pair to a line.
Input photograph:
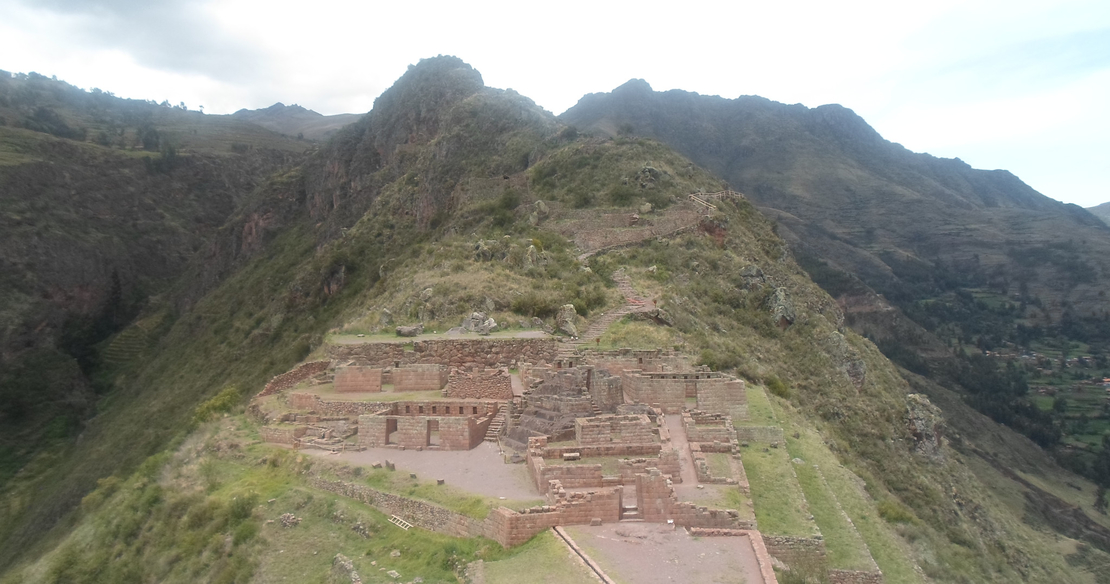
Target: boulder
[474,322]
[387,316]
[565,320]
[782,309]
[410,331]
[925,424]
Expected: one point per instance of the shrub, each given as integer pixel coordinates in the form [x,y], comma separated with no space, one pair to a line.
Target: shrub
[777,387]
[222,402]
[894,512]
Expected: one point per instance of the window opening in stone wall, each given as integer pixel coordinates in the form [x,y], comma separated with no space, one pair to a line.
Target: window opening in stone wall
[434,409]
[408,409]
[421,409]
[475,410]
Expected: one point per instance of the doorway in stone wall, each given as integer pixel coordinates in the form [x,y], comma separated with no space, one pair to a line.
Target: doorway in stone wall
[391,431]
[433,432]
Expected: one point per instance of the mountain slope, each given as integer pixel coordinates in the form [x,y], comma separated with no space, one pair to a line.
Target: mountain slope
[934,260]
[1101,211]
[294,120]
[103,202]
[439,188]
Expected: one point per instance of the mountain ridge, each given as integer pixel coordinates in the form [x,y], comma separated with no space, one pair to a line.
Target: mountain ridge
[446,199]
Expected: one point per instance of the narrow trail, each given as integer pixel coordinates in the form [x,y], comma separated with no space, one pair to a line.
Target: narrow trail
[633,303]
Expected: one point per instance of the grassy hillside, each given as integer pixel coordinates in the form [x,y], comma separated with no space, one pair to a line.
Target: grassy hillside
[970,277]
[411,199]
[103,202]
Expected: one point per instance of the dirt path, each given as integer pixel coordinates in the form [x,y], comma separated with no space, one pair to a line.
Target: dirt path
[655,553]
[480,471]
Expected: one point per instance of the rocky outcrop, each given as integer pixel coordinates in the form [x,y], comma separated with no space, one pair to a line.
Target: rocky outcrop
[565,320]
[410,331]
[782,309]
[925,424]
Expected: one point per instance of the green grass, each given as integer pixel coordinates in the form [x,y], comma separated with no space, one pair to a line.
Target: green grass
[780,507]
[719,465]
[543,560]
[635,334]
[760,412]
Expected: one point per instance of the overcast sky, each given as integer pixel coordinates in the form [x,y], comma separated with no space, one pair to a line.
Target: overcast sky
[1019,85]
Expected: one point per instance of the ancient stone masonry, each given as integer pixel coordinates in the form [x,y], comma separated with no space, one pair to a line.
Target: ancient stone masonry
[759,434]
[711,432]
[855,577]
[419,377]
[421,514]
[313,403]
[435,425]
[657,503]
[610,429]
[484,384]
[462,353]
[669,390]
[791,550]
[290,378]
[282,434]
[358,379]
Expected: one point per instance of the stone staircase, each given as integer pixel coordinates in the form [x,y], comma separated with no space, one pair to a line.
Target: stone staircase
[497,426]
[630,513]
[633,302]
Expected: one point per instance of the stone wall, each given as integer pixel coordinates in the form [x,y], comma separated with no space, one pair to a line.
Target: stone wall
[296,375]
[759,434]
[669,390]
[614,429]
[486,384]
[563,404]
[492,352]
[789,549]
[708,428]
[664,393]
[657,503]
[421,514]
[419,377]
[855,577]
[666,462]
[579,508]
[721,395]
[358,379]
[282,434]
[454,432]
[606,390]
[313,403]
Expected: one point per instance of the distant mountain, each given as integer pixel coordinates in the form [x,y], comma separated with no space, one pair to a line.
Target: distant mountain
[294,120]
[926,255]
[1101,211]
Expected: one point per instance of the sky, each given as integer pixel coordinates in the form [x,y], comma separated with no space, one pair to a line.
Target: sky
[1018,85]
